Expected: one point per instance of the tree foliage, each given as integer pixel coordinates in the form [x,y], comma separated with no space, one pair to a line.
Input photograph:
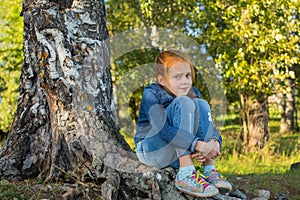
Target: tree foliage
[11,38]
[175,15]
[255,44]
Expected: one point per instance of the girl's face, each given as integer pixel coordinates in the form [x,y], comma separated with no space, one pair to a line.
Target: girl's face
[179,78]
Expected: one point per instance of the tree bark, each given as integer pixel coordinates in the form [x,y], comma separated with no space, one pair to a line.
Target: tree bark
[258,123]
[287,107]
[244,124]
[65,124]
[254,121]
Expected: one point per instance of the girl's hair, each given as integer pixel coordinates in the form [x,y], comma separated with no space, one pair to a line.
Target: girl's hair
[167,58]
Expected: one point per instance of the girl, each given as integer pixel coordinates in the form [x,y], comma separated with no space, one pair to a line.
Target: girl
[175,126]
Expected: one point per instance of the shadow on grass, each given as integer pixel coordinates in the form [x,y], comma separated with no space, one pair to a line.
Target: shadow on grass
[280,185]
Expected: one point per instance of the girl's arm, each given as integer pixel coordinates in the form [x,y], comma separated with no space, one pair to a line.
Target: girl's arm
[157,117]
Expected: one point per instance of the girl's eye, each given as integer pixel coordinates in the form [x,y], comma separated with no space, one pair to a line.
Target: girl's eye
[188,76]
[178,76]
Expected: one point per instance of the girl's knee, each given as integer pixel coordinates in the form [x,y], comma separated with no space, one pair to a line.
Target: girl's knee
[179,107]
[185,102]
[202,104]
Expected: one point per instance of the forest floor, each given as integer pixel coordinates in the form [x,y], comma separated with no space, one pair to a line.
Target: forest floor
[281,186]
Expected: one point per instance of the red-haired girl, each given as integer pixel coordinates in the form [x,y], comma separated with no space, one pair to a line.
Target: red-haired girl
[175,126]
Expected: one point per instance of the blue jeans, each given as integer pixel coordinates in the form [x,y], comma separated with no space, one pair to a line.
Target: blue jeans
[191,119]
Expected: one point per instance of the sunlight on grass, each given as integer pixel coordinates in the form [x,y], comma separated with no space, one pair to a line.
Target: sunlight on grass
[243,164]
[277,156]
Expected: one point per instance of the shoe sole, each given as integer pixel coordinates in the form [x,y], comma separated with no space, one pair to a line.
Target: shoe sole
[224,189]
[197,194]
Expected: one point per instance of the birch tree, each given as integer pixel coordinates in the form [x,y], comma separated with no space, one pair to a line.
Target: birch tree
[64,127]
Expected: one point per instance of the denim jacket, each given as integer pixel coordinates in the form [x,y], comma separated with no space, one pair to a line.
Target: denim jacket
[154,94]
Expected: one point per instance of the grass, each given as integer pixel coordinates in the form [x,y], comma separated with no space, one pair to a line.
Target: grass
[279,184]
[279,153]
[11,191]
[268,168]
[31,190]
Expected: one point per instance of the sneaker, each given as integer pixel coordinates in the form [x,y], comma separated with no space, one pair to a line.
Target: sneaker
[217,180]
[196,185]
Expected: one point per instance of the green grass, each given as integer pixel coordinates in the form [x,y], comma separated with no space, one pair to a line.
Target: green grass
[30,190]
[10,191]
[268,168]
[276,157]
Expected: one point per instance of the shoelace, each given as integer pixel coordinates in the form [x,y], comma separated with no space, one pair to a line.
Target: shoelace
[216,175]
[199,178]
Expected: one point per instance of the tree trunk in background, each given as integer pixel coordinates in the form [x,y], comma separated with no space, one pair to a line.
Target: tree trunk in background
[287,108]
[244,124]
[255,122]
[258,123]
[65,125]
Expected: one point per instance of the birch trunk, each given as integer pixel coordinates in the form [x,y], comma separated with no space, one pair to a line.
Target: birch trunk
[258,123]
[65,125]
[287,107]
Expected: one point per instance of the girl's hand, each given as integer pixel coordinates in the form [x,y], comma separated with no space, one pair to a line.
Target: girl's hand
[208,150]
[198,157]
[215,150]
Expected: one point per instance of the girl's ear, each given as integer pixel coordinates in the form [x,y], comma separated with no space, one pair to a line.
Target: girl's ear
[161,80]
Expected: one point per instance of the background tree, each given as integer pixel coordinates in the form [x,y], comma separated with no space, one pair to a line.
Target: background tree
[287,105]
[11,38]
[254,43]
[297,96]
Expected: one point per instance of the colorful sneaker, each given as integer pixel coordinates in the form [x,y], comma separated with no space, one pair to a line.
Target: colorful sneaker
[217,180]
[196,185]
